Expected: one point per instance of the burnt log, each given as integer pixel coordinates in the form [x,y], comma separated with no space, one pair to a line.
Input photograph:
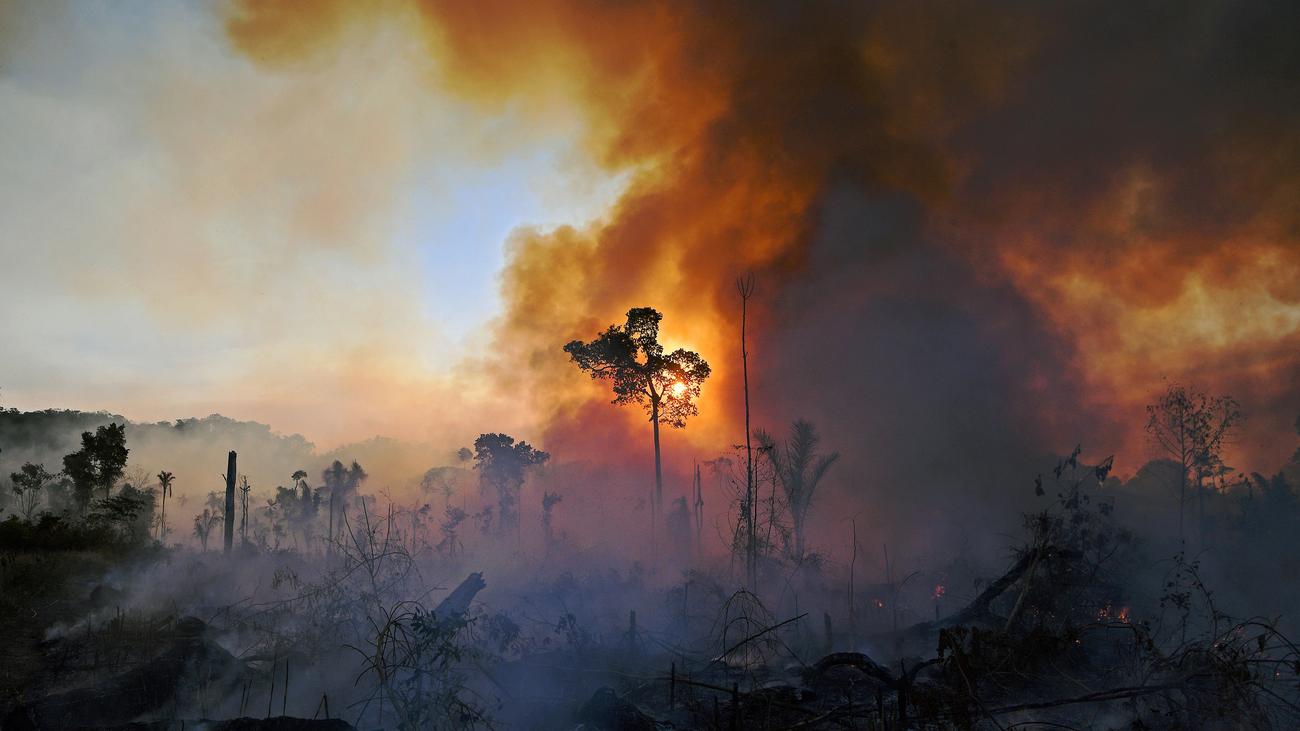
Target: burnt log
[855,660]
[188,665]
[456,604]
[978,611]
[607,711]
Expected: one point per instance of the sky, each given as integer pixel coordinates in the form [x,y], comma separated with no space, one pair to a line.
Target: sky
[187,234]
[980,234]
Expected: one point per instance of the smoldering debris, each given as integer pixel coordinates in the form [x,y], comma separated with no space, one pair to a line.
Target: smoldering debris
[359,635]
[376,614]
[184,669]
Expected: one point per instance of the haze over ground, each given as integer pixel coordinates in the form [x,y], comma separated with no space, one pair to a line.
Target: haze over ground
[981,236]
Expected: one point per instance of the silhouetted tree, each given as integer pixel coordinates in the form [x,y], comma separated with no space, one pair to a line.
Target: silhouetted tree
[28,483]
[441,480]
[745,287]
[298,506]
[130,511]
[164,491]
[341,485]
[203,524]
[549,501]
[633,361]
[798,469]
[98,464]
[677,526]
[502,464]
[1190,428]
[244,490]
[450,544]
[483,519]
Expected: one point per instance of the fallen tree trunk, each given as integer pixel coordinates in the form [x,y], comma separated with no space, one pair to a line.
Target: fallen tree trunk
[978,609]
[456,604]
[864,664]
[856,660]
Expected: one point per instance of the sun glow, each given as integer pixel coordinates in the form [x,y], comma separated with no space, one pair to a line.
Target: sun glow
[678,389]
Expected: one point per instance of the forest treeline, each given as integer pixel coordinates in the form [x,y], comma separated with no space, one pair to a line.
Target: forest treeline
[77,479]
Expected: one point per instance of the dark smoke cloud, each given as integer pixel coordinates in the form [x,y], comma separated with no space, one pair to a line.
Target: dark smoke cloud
[982,233]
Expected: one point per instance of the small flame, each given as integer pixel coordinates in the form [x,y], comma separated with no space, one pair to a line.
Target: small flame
[1109,613]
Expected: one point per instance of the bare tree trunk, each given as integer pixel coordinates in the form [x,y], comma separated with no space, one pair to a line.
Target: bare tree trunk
[853,567]
[893,590]
[230,500]
[1182,480]
[771,513]
[798,535]
[699,514]
[746,288]
[659,472]
[1200,510]
[1182,504]
[654,548]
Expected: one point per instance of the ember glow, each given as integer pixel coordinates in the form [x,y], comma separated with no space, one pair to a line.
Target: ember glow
[1111,614]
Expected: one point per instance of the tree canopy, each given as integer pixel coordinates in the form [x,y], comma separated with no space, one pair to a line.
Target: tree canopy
[502,464]
[342,482]
[632,359]
[99,463]
[798,468]
[28,483]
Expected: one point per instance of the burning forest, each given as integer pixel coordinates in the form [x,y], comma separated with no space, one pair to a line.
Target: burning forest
[594,365]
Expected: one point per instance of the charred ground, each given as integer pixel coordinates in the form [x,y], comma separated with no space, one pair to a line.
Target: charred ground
[337,600]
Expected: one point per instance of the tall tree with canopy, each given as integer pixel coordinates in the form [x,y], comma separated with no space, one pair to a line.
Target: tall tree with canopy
[99,464]
[28,483]
[502,464]
[298,505]
[165,480]
[1190,427]
[631,358]
[341,485]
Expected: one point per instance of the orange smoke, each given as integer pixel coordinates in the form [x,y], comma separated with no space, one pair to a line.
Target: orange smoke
[1044,164]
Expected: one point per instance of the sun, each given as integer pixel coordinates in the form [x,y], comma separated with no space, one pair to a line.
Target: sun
[678,388]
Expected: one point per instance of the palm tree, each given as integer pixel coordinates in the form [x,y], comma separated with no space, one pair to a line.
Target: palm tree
[164,488]
[798,468]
